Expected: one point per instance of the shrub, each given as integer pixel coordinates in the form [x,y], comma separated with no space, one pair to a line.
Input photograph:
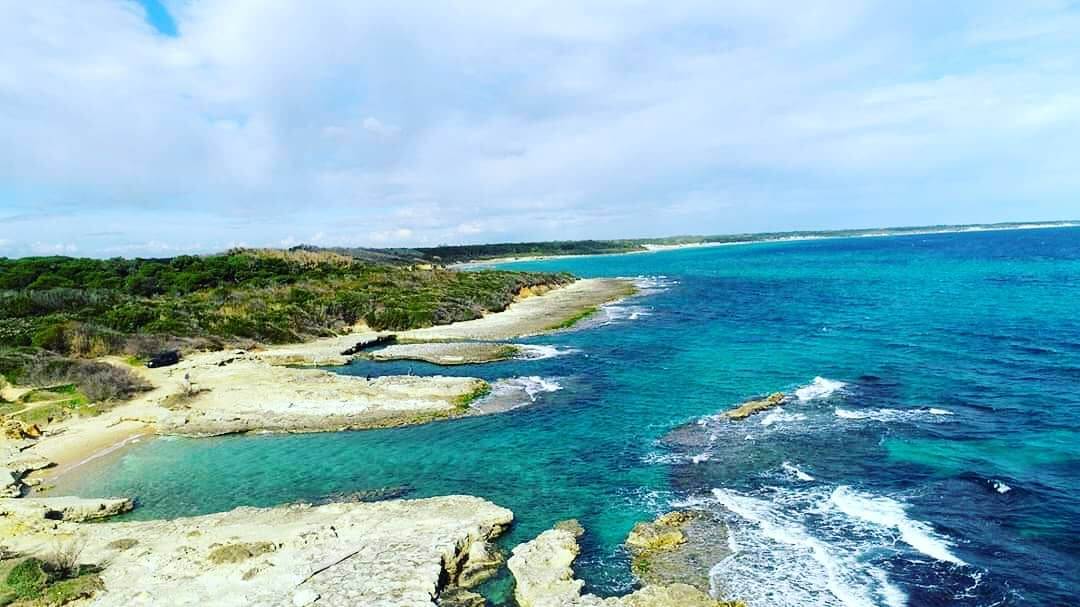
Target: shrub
[97,380]
[28,579]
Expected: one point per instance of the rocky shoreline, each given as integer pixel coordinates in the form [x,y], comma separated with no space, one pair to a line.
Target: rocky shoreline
[396,553]
[268,390]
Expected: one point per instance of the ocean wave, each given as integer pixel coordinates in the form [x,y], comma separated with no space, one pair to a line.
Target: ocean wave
[779,415]
[796,472]
[824,545]
[890,514]
[541,352]
[777,561]
[648,285]
[656,457]
[818,389]
[511,393]
[616,312]
[890,415]
[531,385]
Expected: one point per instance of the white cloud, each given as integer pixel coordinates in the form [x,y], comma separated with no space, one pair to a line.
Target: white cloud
[53,248]
[374,125]
[480,121]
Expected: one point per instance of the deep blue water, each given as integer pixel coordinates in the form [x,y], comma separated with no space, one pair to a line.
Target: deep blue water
[936,461]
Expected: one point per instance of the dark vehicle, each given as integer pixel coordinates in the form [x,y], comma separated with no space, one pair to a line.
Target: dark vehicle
[382,340]
[164,359]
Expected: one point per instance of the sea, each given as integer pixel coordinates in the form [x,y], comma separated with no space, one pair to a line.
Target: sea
[927,452]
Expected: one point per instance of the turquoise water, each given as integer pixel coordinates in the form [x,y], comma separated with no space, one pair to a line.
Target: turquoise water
[935,462]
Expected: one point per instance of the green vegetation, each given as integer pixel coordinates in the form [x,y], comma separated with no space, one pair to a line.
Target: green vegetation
[238,553]
[33,582]
[462,402]
[88,307]
[575,319]
[57,310]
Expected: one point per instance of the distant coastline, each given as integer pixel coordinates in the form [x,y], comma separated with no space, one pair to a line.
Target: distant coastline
[655,246]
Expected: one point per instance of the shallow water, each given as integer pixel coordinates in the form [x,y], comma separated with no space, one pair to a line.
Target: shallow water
[936,461]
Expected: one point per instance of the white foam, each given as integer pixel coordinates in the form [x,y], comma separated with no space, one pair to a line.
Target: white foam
[647,285]
[889,415]
[615,312]
[541,352]
[701,457]
[778,415]
[1000,487]
[654,457]
[818,389]
[532,386]
[891,514]
[794,471]
[784,565]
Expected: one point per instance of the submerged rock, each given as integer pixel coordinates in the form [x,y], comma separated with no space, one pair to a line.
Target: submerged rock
[678,548]
[544,576]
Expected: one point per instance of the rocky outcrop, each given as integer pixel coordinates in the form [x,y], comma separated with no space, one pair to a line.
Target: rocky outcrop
[387,554]
[678,548]
[543,572]
[34,510]
[756,406]
[251,396]
[449,353]
[14,466]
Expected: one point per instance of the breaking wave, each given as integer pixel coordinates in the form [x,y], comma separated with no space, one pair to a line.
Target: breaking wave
[890,415]
[532,386]
[778,562]
[818,389]
[819,545]
[541,352]
[647,285]
[778,415]
[514,392]
[891,514]
[797,473]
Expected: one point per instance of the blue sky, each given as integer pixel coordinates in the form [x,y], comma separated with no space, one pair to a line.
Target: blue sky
[154,127]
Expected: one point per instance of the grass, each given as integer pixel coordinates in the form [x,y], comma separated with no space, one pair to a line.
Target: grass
[463,402]
[43,414]
[238,553]
[575,319]
[135,361]
[32,582]
[506,353]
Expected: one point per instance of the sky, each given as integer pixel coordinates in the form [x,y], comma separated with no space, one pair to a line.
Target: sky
[159,127]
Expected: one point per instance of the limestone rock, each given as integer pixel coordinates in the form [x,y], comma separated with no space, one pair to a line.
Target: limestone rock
[543,572]
[304,596]
[756,406]
[383,554]
[12,472]
[482,561]
[542,569]
[70,509]
[458,597]
[678,548]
